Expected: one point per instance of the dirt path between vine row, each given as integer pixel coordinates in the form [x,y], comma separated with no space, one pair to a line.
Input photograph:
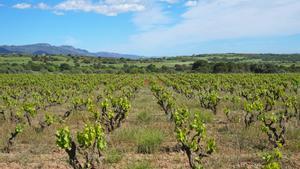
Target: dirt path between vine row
[147,117]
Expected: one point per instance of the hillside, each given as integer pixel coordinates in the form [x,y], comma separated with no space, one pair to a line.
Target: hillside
[47,49]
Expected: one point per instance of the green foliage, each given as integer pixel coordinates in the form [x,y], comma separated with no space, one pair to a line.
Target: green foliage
[20,114]
[49,119]
[255,106]
[211,146]
[105,105]
[253,111]
[89,140]
[92,134]
[63,138]
[114,112]
[191,133]
[121,104]
[272,165]
[30,108]
[92,108]
[209,100]
[164,99]
[272,159]
[19,128]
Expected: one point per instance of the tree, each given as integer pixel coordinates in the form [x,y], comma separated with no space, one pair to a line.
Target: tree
[220,68]
[65,66]
[202,66]
[199,63]
[151,68]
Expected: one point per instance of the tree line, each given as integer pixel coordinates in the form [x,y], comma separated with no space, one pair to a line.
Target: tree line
[200,66]
[224,64]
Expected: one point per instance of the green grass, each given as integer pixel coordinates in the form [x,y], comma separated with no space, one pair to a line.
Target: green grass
[145,140]
[149,140]
[144,118]
[126,135]
[207,117]
[113,156]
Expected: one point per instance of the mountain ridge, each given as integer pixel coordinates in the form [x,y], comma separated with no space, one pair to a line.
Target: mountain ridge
[45,48]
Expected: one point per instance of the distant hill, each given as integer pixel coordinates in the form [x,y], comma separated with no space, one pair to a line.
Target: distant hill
[4,51]
[44,48]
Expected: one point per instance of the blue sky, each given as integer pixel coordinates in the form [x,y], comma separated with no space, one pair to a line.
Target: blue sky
[155,27]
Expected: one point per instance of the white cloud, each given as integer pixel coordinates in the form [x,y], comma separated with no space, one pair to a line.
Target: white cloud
[108,7]
[151,18]
[170,1]
[42,6]
[105,7]
[191,3]
[222,19]
[114,2]
[22,6]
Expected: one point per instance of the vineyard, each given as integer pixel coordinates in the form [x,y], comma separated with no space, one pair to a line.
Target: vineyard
[170,121]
